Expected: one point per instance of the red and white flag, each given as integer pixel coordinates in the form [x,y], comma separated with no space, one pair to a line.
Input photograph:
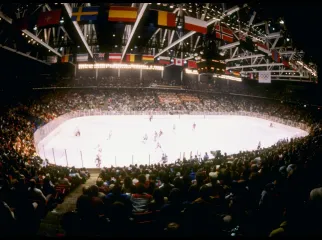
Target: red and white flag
[192,64]
[263,48]
[178,62]
[224,33]
[194,24]
[164,60]
[114,57]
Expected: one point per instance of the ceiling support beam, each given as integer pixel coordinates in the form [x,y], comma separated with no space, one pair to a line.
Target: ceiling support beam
[70,11]
[212,21]
[31,35]
[242,58]
[229,45]
[49,9]
[23,54]
[136,24]
[256,65]
[275,42]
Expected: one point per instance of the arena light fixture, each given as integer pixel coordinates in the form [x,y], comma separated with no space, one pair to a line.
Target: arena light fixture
[192,72]
[227,77]
[120,66]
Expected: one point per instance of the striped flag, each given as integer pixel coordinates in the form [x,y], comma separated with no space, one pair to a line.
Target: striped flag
[164,60]
[263,48]
[132,57]
[67,58]
[194,24]
[162,18]
[98,56]
[224,33]
[122,14]
[114,57]
[85,14]
[178,62]
[83,57]
[147,58]
[276,56]
[192,64]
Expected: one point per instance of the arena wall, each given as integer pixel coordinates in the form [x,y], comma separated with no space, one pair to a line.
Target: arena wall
[45,130]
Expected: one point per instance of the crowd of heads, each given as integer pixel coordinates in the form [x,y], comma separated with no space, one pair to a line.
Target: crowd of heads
[273,191]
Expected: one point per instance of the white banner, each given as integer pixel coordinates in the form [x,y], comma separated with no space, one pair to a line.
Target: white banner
[264,77]
[82,57]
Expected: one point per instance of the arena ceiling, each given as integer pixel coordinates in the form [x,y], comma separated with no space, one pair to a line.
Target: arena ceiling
[141,36]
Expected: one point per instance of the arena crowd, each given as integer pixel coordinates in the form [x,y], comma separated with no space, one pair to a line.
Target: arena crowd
[268,192]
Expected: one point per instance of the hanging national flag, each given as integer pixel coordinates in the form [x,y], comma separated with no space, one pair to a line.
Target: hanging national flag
[263,48]
[49,18]
[276,56]
[98,56]
[132,58]
[52,59]
[114,57]
[67,58]
[164,60]
[192,64]
[264,77]
[83,57]
[147,58]
[162,18]
[285,63]
[122,14]
[85,14]
[194,24]
[178,62]
[224,33]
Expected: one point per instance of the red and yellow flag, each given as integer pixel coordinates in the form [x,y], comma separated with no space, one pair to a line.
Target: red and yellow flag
[122,14]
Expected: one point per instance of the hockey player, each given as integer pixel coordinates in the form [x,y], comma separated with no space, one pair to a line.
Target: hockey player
[145,138]
[160,133]
[194,126]
[164,158]
[98,160]
[151,117]
[158,146]
[271,125]
[110,135]
[155,136]
[77,132]
[259,145]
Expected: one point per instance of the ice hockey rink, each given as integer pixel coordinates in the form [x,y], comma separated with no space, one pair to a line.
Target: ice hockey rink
[229,134]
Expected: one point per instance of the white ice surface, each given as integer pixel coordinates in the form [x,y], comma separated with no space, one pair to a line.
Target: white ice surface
[229,134]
